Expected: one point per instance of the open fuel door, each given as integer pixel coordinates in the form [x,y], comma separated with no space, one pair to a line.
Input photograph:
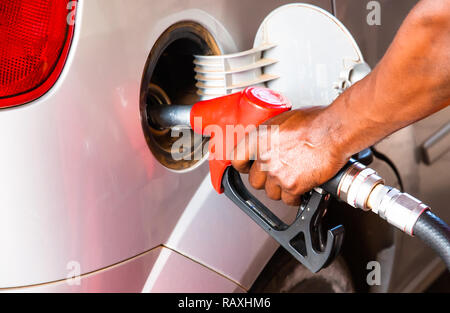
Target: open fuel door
[300,50]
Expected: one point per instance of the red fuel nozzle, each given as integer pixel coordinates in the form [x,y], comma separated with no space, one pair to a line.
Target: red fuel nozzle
[227,119]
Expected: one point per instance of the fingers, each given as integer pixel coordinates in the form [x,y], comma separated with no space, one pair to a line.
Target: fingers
[262,147]
[273,190]
[256,177]
[290,199]
[247,149]
[244,152]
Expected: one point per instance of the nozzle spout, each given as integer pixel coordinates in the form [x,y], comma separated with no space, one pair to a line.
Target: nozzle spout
[162,117]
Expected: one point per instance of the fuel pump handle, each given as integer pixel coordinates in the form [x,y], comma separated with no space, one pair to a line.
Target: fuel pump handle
[304,238]
[217,118]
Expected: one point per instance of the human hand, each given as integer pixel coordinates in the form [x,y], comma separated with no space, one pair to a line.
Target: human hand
[305,153]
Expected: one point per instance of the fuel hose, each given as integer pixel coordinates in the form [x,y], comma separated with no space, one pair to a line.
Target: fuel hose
[435,233]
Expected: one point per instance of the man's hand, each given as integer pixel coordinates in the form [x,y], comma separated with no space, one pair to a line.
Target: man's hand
[303,155]
[410,82]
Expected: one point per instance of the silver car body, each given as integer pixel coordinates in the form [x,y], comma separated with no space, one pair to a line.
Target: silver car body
[82,195]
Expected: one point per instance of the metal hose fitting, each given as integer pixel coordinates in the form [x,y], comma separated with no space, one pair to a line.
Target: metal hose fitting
[398,208]
[362,188]
[357,184]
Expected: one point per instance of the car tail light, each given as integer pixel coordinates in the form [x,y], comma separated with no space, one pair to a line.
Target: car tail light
[35,37]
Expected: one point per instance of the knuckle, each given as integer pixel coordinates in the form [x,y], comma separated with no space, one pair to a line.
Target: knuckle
[289,185]
[256,180]
[273,195]
[254,183]
[240,166]
[290,199]
[273,191]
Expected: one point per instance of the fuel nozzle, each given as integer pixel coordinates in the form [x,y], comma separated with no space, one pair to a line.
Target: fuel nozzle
[249,107]
[253,105]
[170,116]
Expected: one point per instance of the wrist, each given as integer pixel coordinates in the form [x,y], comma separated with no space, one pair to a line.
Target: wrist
[351,129]
[329,131]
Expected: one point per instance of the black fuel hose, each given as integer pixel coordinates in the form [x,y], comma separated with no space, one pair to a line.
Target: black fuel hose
[435,233]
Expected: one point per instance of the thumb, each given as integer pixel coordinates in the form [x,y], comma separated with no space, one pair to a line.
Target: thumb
[245,152]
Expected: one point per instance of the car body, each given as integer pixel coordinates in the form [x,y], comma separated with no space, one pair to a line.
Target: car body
[86,206]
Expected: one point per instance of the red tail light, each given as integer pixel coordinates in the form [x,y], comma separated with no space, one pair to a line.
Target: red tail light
[35,37]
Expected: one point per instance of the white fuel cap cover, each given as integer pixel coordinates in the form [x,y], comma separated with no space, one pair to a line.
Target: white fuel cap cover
[313,49]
